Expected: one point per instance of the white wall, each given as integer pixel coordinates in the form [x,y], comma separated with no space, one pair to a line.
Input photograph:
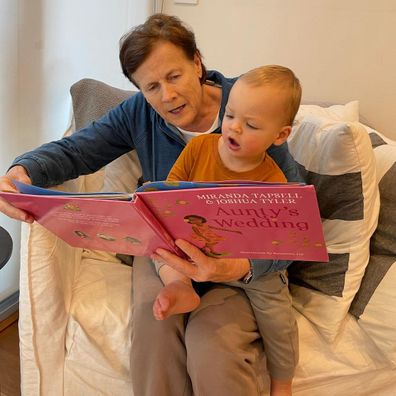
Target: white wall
[45,46]
[341,50]
[9,125]
[61,42]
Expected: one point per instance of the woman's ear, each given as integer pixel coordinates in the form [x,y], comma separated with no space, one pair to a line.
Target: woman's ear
[198,64]
[283,135]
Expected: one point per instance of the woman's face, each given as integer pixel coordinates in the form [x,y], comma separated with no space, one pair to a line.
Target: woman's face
[170,83]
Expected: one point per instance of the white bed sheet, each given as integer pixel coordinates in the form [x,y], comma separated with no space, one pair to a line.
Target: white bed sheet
[91,309]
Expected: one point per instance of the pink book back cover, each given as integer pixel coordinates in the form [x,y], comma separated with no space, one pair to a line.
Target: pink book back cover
[108,225]
[278,222]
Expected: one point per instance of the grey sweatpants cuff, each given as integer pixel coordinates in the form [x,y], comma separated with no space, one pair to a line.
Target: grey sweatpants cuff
[158,265]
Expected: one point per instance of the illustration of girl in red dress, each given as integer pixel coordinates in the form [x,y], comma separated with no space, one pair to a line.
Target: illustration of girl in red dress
[204,233]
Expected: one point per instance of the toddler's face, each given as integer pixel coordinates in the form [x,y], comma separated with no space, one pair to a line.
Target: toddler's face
[253,121]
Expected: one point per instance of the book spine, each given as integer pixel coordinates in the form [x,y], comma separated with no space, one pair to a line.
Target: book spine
[156,225]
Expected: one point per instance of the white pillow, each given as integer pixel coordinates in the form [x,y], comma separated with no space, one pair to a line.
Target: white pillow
[338,159]
[347,112]
[375,303]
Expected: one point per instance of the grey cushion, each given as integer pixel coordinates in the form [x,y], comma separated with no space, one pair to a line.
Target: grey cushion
[91,99]
[383,240]
[322,277]
[376,140]
[382,244]
[340,197]
[375,303]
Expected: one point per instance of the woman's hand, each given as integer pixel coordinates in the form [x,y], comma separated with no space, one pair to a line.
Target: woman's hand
[202,268]
[17,173]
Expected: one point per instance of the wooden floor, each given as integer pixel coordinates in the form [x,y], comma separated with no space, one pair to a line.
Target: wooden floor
[9,360]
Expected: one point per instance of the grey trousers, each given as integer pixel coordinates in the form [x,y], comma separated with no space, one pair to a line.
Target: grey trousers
[272,306]
[216,350]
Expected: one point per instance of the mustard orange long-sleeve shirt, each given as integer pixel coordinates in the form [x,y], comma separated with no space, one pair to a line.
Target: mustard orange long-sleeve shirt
[200,161]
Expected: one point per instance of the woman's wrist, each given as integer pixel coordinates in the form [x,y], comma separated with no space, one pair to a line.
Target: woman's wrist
[18,172]
[229,270]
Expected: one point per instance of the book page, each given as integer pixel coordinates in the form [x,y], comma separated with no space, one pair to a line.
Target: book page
[267,221]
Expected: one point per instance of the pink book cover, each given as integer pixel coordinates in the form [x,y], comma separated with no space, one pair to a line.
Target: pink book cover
[273,221]
[110,225]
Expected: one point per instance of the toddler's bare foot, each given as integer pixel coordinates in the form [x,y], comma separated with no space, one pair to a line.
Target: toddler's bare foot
[176,297]
[281,387]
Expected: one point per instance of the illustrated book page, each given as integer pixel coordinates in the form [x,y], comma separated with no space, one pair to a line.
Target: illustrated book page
[278,221]
[254,220]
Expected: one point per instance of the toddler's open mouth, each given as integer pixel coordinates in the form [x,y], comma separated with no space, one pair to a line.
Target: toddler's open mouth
[233,144]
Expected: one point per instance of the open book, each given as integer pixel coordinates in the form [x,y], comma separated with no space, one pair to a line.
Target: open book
[226,219]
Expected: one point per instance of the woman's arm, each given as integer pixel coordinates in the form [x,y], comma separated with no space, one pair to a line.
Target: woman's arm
[85,151]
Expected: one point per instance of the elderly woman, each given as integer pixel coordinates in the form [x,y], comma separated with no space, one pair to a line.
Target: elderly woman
[215,350]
